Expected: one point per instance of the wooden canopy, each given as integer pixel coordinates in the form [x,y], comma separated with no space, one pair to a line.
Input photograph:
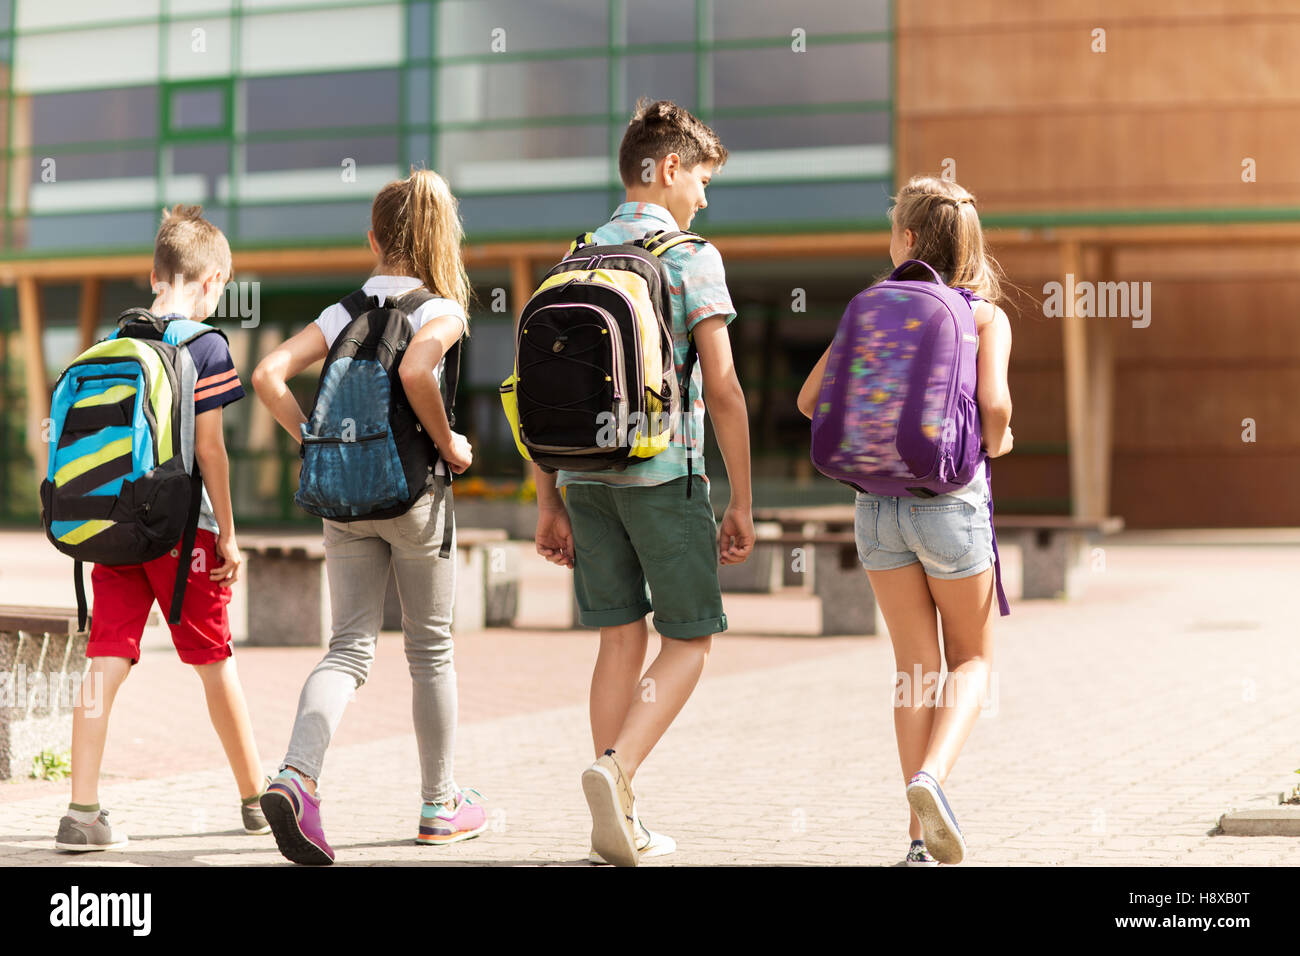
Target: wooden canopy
[1088,347]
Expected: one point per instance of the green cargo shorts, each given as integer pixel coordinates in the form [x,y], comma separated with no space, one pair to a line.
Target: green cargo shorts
[641,548]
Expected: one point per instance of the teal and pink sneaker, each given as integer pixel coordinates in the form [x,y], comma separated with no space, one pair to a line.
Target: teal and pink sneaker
[439,825]
[294,816]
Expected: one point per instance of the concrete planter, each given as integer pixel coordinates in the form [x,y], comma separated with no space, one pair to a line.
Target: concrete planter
[40,676]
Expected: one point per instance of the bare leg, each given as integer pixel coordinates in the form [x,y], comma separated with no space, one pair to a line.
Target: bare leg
[616,679]
[230,719]
[672,677]
[909,613]
[967,608]
[90,724]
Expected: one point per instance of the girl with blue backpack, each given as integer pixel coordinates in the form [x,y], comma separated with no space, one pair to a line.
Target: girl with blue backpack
[908,405]
[378,455]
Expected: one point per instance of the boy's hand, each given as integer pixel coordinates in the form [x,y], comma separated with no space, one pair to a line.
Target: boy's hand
[228,551]
[735,535]
[458,454]
[555,536]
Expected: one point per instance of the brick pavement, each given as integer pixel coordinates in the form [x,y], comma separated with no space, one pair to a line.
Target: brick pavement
[1124,724]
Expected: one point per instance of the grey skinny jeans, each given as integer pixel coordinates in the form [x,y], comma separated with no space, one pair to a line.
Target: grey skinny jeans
[357,557]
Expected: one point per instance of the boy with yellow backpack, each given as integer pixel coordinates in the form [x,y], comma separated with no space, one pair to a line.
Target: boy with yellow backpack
[617,356]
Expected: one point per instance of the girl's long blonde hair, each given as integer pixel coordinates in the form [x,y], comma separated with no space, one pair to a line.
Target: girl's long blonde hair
[942,216]
[418,229]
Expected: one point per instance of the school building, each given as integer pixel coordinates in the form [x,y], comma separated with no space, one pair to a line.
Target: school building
[1140,156]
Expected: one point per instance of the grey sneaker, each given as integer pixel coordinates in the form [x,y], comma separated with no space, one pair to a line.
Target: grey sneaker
[254,819]
[77,837]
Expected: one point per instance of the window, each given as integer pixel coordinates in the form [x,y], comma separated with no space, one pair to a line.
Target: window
[199,48]
[45,15]
[197,110]
[737,19]
[660,76]
[93,115]
[535,157]
[196,173]
[322,40]
[331,169]
[321,100]
[664,21]
[778,76]
[468,27]
[474,92]
[117,56]
[116,179]
[794,130]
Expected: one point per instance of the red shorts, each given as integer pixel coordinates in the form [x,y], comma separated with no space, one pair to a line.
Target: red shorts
[125,593]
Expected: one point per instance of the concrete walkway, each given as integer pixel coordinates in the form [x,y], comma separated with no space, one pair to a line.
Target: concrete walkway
[1120,727]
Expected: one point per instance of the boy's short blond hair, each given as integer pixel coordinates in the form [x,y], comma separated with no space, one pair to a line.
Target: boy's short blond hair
[189,246]
[661,127]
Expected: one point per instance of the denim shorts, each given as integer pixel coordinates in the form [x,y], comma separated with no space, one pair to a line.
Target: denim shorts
[950,537]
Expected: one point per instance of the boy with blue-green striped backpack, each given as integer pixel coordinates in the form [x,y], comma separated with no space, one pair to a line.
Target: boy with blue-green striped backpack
[138,483]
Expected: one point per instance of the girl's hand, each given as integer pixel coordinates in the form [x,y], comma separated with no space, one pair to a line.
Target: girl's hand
[458,454]
[1003,446]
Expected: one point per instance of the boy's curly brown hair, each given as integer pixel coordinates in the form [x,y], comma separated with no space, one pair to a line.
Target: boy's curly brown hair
[660,127]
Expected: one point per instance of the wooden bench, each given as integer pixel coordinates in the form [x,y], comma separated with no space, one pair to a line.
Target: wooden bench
[288,592]
[1054,548]
[42,664]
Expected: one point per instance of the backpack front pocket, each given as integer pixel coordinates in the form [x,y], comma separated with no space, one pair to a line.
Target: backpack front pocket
[347,476]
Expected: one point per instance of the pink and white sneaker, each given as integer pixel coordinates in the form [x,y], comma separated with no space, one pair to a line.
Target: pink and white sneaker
[439,825]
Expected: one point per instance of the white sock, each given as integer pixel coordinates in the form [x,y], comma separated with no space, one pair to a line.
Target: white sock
[86,817]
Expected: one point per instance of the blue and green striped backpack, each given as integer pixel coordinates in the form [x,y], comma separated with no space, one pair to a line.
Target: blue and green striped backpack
[123,485]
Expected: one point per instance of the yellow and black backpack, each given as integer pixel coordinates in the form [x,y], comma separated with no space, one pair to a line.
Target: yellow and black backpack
[594,386]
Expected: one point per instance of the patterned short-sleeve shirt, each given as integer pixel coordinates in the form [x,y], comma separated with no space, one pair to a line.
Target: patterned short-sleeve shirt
[698,287]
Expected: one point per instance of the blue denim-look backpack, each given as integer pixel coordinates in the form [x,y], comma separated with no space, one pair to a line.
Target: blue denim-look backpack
[364,453]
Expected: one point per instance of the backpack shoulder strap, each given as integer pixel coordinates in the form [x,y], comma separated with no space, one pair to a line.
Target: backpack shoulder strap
[584,239]
[658,243]
[132,316]
[358,304]
[180,332]
[408,302]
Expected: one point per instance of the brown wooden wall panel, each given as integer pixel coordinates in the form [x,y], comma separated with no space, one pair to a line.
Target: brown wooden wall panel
[1012,14]
[1160,410]
[1111,158]
[1166,61]
[1228,262]
[1207,491]
[1038,403]
[1025,478]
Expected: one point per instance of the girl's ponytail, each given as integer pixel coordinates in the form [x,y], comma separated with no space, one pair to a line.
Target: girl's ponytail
[948,234]
[417,225]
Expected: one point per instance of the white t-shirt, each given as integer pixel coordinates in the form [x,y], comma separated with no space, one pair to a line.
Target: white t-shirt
[336,318]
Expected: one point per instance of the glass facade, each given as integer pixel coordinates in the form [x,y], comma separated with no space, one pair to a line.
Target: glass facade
[116,109]
[284,117]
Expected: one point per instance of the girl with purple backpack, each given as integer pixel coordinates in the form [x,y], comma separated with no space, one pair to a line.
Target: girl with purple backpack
[914,359]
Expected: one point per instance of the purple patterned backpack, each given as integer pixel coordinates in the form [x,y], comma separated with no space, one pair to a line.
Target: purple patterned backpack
[897,413]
